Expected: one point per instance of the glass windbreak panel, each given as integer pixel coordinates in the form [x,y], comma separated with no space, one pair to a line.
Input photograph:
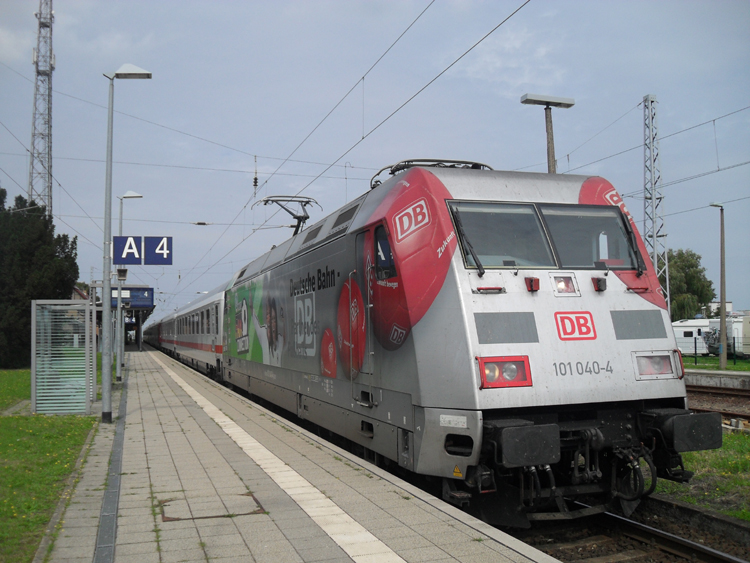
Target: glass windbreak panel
[503,235]
[585,235]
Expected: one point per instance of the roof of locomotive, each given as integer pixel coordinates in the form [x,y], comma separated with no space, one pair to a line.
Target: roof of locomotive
[461,182]
[510,186]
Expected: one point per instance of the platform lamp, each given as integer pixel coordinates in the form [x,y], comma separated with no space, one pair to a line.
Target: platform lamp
[125,71]
[723,305]
[548,102]
[120,337]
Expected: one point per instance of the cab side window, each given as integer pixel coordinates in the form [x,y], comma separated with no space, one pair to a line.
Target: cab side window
[385,267]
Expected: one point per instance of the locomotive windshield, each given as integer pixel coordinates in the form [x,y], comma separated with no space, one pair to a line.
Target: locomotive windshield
[504,235]
[585,235]
[513,235]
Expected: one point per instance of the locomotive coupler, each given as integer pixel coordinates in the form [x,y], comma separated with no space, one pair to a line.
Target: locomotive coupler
[482,478]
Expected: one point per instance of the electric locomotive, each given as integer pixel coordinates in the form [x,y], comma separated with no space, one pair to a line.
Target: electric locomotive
[501,331]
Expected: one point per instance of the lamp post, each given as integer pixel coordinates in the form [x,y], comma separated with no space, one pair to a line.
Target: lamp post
[723,306]
[125,71]
[120,338]
[548,102]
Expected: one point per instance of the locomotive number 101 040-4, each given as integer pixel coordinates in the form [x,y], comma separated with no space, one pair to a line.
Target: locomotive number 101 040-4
[581,368]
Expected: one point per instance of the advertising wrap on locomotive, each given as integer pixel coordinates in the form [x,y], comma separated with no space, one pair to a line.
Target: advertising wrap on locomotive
[501,331]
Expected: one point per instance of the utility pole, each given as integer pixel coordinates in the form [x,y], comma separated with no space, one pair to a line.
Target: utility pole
[653,218]
[40,168]
[548,102]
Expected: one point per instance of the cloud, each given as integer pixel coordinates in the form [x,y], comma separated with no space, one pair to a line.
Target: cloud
[16,42]
[515,60]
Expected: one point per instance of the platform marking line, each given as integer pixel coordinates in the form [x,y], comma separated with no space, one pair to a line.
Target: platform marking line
[360,544]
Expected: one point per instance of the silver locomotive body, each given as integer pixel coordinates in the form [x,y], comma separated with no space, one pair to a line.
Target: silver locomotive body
[501,331]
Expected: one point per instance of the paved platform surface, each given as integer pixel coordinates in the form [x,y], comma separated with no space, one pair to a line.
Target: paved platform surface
[209,476]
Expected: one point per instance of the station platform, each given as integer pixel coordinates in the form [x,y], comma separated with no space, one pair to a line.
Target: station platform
[193,472]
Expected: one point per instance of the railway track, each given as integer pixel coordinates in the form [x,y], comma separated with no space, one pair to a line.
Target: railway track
[718,390]
[612,538]
[727,411]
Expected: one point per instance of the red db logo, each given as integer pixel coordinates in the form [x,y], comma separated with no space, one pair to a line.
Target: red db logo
[411,219]
[575,325]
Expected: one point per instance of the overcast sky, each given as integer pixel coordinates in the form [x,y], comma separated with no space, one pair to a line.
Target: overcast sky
[234,80]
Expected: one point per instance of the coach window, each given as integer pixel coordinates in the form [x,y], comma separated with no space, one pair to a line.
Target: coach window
[385,266]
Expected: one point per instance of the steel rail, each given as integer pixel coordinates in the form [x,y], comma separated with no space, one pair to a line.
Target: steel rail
[718,390]
[671,543]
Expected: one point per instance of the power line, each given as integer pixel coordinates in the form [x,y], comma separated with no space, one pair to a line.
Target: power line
[704,207]
[662,138]
[185,167]
[693,177]
[636,146]
[328,167]
[52,177]
[381,123]
[197,137]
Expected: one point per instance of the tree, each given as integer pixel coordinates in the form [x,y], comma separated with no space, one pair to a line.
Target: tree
[34,264]
[689,288]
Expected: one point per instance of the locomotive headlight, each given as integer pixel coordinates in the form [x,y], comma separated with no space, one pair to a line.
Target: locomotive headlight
[655,366]
[491,373]
[510,371]
[507,371]
[564,284]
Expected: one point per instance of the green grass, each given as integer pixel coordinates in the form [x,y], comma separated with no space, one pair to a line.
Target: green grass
[37,454]
[15,385]
[712,363]
[721,481]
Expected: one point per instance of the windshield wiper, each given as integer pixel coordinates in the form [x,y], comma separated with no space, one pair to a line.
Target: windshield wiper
[465,241]
[634,243]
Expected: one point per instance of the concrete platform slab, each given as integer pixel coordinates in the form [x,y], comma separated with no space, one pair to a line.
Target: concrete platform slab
[207,475]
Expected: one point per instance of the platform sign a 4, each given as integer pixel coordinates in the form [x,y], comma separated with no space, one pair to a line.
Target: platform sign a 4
[158,251]
[151,251]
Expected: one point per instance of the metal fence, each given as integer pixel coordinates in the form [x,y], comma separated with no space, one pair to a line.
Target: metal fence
[63,357]
[737,347]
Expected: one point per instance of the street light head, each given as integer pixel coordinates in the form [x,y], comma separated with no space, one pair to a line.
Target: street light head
[130,195]
[131,71]
[717,204]
[551,101]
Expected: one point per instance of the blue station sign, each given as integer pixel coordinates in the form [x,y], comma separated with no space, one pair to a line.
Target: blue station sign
[149,251]
[135,297]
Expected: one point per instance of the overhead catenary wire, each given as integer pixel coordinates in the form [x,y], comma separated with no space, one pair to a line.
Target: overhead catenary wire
[382,122]
[328,167]
[705,206]
[199,168]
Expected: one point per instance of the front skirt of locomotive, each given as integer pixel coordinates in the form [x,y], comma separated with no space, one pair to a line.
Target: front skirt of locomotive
[532,465]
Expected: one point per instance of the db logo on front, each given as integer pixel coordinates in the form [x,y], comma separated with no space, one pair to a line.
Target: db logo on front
[575,325]
[411,219]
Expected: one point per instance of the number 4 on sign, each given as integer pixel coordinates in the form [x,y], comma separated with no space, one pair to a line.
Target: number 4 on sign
[158,251]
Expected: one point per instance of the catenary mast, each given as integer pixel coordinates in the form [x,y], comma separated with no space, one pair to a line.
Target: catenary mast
[40,169]
[653,217]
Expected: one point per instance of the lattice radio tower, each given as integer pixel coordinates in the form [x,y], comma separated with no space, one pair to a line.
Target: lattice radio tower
[40,169]
[653,218]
